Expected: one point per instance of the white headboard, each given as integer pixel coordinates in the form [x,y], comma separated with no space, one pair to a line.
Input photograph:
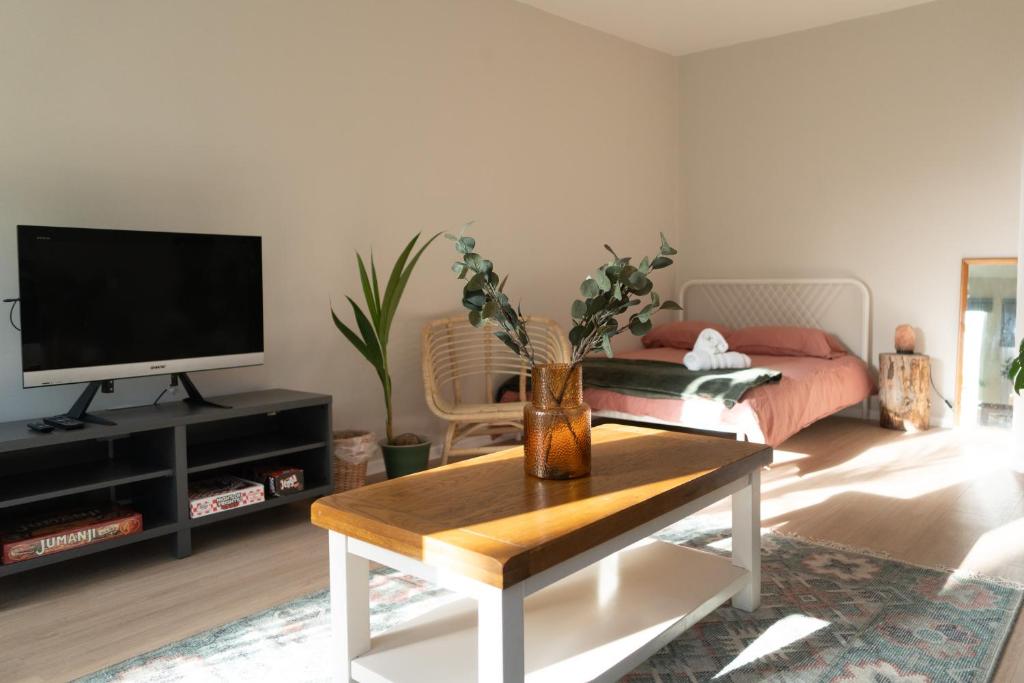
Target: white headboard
[841,306]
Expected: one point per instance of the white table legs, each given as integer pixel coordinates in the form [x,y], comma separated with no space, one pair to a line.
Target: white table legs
[746,540]
[500,653]
[350,607]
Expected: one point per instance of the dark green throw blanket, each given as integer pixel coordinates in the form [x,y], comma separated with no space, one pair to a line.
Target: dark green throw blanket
[662,379]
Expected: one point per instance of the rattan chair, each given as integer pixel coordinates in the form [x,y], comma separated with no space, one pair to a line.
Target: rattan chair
[464,366]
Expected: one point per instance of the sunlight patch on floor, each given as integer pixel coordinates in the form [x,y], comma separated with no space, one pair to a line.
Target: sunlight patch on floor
[995,549]
[783,632]
[904,468]
[781,457]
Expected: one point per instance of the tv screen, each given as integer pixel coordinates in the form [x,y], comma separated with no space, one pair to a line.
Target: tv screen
[107,304]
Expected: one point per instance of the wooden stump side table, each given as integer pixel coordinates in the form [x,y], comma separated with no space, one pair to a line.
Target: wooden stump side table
[904,391]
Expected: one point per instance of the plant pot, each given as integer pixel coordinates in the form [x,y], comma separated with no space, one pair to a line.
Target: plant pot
[557,424]
[402,460]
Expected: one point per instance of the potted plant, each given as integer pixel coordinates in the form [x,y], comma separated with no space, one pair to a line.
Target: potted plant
[405,453]
[557,422]
[1016,370]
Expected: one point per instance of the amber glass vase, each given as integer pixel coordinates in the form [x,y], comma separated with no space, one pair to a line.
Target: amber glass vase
[557,424]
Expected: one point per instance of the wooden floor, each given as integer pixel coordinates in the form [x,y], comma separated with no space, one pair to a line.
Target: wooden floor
[937,498]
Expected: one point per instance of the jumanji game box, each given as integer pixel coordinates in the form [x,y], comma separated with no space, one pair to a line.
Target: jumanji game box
[60,531]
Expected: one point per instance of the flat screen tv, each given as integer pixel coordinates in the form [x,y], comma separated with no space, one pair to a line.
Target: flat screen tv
[102,304]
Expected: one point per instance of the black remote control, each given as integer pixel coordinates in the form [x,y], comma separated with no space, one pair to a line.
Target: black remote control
[40,427]
[63,422]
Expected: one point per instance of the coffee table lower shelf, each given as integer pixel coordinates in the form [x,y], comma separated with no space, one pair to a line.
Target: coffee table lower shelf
[596,624]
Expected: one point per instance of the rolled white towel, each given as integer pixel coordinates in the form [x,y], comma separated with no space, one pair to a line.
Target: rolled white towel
[711,341]
[702,360]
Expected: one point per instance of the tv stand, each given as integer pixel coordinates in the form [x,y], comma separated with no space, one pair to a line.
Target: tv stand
[194,398]
[79,411]
[147,460]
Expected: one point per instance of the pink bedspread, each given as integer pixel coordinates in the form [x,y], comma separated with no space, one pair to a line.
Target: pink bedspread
[810,389]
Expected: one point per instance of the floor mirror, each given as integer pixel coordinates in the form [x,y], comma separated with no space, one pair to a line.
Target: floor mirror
[988,318]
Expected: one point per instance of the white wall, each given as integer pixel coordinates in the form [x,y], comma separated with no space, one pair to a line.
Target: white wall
[329,127]
[885,148]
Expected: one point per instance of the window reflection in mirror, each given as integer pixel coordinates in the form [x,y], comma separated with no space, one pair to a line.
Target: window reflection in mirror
[988,318]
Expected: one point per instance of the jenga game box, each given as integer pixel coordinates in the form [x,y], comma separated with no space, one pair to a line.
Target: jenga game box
[281,481]
[210,496]
[57,532]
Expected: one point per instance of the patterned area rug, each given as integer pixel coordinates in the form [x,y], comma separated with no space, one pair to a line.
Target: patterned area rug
[827,614]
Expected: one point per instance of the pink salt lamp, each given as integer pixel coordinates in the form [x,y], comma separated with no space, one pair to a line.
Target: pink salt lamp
[906,339]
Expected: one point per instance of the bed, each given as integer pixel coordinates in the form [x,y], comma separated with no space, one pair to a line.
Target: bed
[810,388]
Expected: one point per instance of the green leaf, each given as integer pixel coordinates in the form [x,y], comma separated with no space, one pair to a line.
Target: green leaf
[465,245]
[371,301]
[476,319]
[645,266]
[589,288]
[373,346]
[661,262]
[666,249]
[579,309]
[396,285]
[474,300]
[352,337]
[612,252]
[597,304]
[636,280]
[670,306]
[490,310]
[639,327]
[477,282]
[606,345]
[507,341]
[602,280]
[577,334]
[392,291]
[375,283]
[473,261]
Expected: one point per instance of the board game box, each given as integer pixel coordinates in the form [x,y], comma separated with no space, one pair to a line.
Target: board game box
[210,496]
[281,481]
[60,531]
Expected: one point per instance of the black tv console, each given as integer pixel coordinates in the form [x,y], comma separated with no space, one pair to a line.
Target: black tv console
[147,459]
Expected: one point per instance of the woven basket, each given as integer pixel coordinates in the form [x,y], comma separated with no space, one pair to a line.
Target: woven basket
[351,475]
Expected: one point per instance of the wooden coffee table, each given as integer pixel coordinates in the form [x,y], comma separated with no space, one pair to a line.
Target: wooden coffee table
[556,580]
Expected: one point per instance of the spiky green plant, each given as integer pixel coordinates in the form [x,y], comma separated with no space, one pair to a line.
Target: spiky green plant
[1016,373]
[374,324]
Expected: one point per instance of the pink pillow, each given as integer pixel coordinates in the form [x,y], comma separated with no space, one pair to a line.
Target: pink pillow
[838,347]
[679,335]
[781,341]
